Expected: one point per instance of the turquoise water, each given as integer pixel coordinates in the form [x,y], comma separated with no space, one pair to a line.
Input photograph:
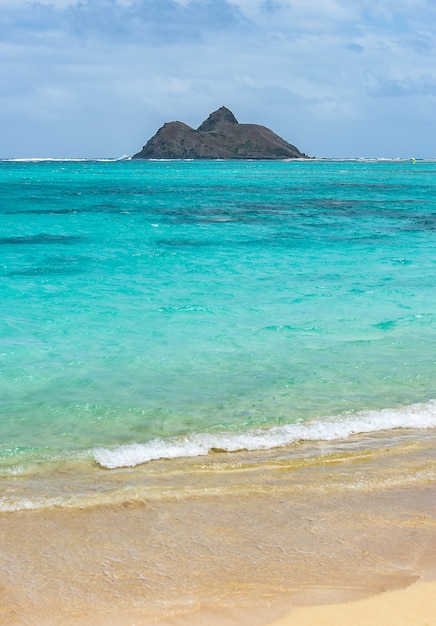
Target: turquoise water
[159,309]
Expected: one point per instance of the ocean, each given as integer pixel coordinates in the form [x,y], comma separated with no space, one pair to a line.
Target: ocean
[154,311]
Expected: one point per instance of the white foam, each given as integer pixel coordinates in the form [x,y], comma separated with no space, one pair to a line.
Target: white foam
[125,157]
[329,428]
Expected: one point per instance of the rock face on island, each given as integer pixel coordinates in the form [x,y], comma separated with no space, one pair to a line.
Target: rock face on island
[219,137]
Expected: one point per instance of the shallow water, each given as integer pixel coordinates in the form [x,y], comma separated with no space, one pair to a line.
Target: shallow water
[165,309]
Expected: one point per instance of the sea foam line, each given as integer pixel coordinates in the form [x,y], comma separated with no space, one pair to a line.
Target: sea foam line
[125,157]
[421,416]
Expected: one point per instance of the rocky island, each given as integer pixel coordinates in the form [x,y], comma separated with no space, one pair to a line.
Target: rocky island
[221,136]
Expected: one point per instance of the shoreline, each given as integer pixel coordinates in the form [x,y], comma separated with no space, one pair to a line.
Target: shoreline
[235,538]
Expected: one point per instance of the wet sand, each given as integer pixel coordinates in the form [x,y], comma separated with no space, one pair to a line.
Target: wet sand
[230,539]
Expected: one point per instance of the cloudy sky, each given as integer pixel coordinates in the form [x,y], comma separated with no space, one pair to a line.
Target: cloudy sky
[337,78]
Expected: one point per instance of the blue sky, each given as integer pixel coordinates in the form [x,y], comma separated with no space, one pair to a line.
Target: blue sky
[337,78]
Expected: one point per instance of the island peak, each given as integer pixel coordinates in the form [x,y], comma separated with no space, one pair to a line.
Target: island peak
[220,136]
[221,116]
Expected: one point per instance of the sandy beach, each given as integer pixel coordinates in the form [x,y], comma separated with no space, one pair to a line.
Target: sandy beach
[414,606]
[304,536]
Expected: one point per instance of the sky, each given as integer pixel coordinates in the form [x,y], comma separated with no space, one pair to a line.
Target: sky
[336,78]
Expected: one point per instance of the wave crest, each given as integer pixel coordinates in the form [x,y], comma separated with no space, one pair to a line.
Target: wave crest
[422,415]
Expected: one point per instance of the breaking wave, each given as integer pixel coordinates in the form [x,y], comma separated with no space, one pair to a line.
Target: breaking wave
[422,415]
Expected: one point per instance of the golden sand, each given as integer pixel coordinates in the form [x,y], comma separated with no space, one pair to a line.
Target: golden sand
[414,606]
[232,540]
